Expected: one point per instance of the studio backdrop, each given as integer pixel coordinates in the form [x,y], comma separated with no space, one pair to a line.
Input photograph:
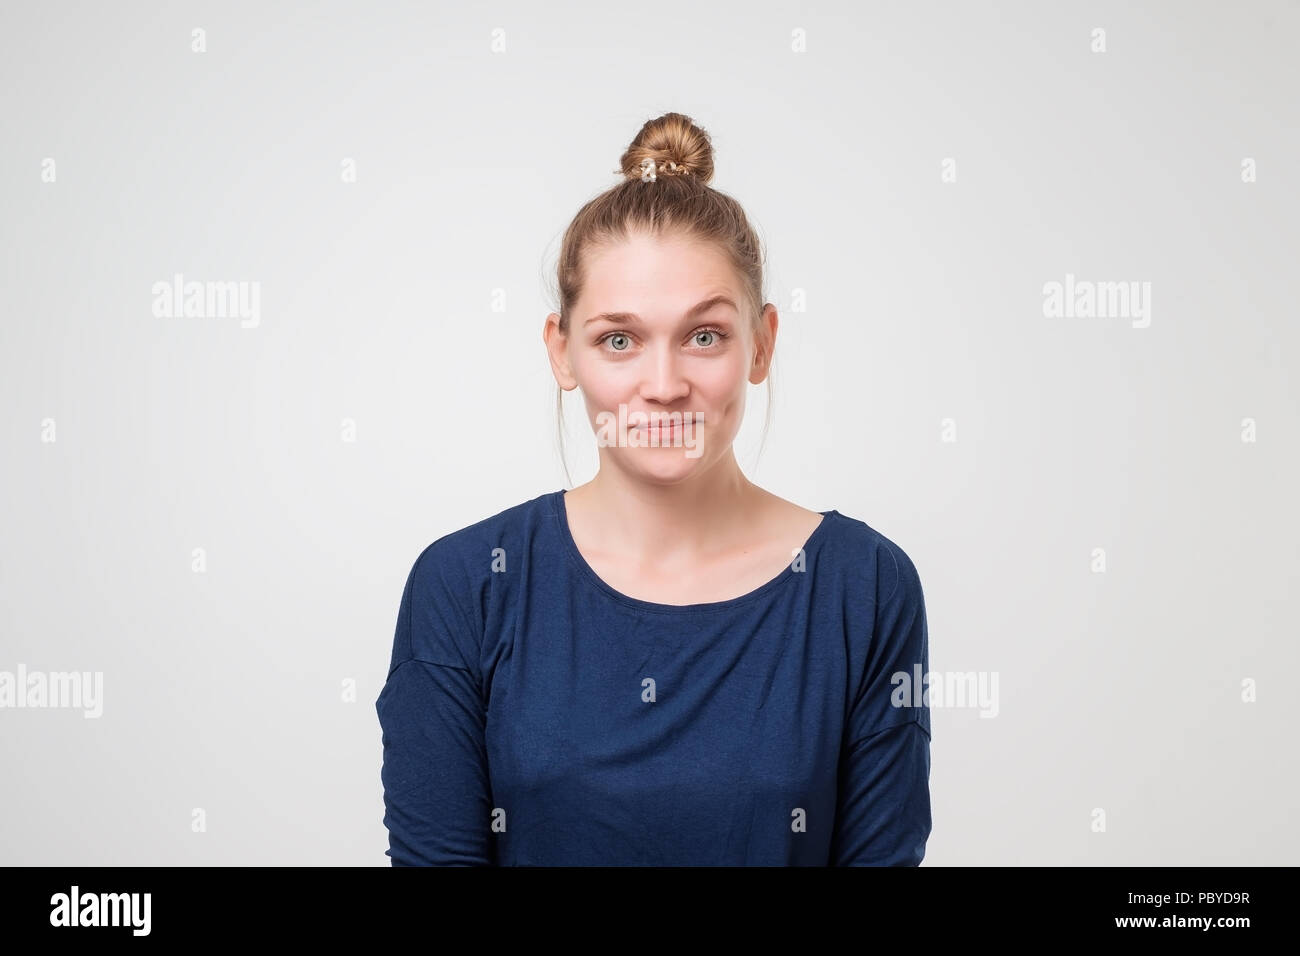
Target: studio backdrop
[272,285]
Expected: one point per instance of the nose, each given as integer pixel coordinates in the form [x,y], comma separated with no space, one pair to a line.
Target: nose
[663,381]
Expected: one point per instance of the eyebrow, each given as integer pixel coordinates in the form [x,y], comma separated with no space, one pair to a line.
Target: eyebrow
[632,318]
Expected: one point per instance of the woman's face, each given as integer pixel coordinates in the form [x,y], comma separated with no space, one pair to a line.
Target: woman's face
[659,328]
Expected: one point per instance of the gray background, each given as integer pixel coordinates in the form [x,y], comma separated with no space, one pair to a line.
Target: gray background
[1119,691]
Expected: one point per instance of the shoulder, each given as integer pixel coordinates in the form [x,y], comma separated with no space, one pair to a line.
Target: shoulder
[451,583]
[470,550]
[891,636]
[872,559]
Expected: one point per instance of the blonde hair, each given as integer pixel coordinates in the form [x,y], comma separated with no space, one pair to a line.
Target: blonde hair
[672,198]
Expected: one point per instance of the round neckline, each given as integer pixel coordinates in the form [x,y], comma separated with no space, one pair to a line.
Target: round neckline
[561,514]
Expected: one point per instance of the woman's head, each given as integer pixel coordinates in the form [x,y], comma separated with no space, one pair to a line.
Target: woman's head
[661,306]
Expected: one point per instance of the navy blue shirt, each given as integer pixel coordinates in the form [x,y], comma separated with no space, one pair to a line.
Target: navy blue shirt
[534,716]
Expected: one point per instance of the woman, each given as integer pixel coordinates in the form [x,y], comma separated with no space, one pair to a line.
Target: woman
[667,665]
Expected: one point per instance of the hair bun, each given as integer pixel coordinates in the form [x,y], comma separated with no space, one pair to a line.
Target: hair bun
[676,146]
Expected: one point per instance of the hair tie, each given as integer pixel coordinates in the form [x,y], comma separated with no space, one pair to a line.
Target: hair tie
[649,169]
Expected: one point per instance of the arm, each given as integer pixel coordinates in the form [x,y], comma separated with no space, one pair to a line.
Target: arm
[883,802]
[436,787]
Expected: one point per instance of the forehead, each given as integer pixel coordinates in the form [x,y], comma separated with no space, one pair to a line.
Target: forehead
[648,274]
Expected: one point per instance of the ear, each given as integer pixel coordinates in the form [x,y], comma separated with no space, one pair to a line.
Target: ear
[557,348]
[764,344]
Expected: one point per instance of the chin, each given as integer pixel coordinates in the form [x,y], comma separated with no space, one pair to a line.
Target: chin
[665,466]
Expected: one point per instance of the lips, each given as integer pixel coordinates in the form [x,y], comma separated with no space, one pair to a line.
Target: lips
[666,424]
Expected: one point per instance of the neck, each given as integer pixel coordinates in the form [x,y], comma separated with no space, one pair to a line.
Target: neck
[662,524]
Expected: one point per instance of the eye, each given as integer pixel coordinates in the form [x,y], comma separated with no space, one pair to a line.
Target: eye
[621,342]
[716,334]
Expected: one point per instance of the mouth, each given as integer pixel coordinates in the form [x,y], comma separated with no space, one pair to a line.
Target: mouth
[666,423]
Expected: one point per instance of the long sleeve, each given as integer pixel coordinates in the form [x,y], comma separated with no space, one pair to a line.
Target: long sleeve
[436,788]
[883,793]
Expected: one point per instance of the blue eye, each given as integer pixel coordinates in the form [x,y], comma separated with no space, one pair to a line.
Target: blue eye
[717,336]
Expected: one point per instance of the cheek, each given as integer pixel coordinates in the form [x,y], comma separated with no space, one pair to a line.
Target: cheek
[592,374]
[723,384]
[603,387]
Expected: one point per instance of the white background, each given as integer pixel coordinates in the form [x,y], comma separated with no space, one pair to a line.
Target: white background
[924,302]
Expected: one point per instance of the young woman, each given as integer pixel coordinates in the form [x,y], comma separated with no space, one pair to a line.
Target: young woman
[667,665]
